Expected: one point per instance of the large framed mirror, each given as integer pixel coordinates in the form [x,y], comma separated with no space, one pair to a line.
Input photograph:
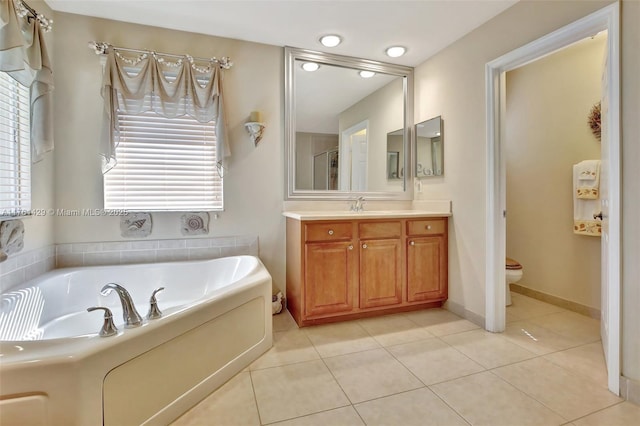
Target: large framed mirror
[343,118]
[429,148]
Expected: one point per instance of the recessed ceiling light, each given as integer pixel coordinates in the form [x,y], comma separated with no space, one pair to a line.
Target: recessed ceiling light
[366,74]
[395,51]
[330,40]
[310,66]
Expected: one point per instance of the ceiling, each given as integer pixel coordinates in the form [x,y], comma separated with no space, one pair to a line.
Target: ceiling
[367,28]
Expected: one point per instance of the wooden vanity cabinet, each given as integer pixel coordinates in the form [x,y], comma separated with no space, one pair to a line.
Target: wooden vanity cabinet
[344,269]
[322,269]
[329,276]
[426,260]
[380,279]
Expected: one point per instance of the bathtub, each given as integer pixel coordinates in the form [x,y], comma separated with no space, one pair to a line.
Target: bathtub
[56,369]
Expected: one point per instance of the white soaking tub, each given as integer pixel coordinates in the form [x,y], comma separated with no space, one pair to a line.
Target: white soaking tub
[56,369]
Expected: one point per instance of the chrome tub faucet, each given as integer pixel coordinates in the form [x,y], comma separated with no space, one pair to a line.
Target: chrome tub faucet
[131,317]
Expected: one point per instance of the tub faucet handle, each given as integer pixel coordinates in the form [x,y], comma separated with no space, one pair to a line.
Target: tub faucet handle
[154,311]
[108,327]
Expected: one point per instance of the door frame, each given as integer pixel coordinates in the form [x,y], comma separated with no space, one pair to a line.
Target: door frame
[607,18]
[346,156]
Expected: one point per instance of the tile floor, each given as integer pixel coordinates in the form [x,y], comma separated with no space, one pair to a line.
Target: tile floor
[427,367]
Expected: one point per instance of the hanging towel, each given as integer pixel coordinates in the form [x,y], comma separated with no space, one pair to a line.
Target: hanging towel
[584,208]
[588,186]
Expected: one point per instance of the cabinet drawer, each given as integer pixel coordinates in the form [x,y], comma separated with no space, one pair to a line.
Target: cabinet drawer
[380,230]
[426,227]
[328,231]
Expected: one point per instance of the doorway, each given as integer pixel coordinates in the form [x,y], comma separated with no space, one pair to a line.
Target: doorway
[605,19]
[353,152]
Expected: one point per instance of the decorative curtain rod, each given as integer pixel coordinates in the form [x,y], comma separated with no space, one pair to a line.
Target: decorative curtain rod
[24,10]
[102,48]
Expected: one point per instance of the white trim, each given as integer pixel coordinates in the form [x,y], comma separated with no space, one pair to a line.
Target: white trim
[607,18]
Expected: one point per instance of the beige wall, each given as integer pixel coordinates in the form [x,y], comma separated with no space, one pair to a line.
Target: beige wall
[384,110]
[452,84]
[546,133]
[253,185]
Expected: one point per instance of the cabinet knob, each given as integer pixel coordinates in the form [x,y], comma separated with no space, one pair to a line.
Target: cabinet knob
[350,247]
[428,226]
[330,232]
[413,243]
[364,246]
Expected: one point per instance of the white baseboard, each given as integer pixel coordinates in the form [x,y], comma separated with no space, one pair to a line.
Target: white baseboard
[630,389]
[460,310]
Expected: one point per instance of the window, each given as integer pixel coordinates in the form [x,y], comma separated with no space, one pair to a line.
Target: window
[15,148]
[164,164]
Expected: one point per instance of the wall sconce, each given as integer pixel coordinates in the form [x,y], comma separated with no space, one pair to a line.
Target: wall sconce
[255,126]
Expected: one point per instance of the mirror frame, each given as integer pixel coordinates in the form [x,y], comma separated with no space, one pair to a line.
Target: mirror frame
[415,155]
[291,54]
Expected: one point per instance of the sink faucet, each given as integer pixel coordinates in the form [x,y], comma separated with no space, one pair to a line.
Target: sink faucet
[358,205]
[131,317]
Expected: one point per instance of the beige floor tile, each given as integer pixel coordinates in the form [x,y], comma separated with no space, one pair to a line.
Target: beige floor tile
[296,390]
[288,347]
[420,407]
[433,361]
[232,404]
[586,360]
[536,338]
[440,322]
[345,416]
[340,338]
[571,325]
[484,399]
[488,349]
[623,414]
[567,394]
[371,374]
[394,329]
[283,321]
[524,307]
[511,317]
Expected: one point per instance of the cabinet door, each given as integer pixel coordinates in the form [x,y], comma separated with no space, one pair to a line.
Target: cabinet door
[426,268]
[329,278]
[380,273]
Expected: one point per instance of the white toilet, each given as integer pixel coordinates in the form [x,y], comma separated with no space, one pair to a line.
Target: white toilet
[513,272]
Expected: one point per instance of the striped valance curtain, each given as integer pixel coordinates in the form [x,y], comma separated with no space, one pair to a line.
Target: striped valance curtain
[24,57]
[170,88]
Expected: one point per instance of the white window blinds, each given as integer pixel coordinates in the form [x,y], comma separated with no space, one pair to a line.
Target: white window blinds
[15,148]
[164,164]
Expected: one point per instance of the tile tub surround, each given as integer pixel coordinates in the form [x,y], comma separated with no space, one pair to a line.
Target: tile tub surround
[23,266]
[424,369]
[152,251]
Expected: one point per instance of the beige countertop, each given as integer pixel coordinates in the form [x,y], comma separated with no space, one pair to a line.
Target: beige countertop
[366,214]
